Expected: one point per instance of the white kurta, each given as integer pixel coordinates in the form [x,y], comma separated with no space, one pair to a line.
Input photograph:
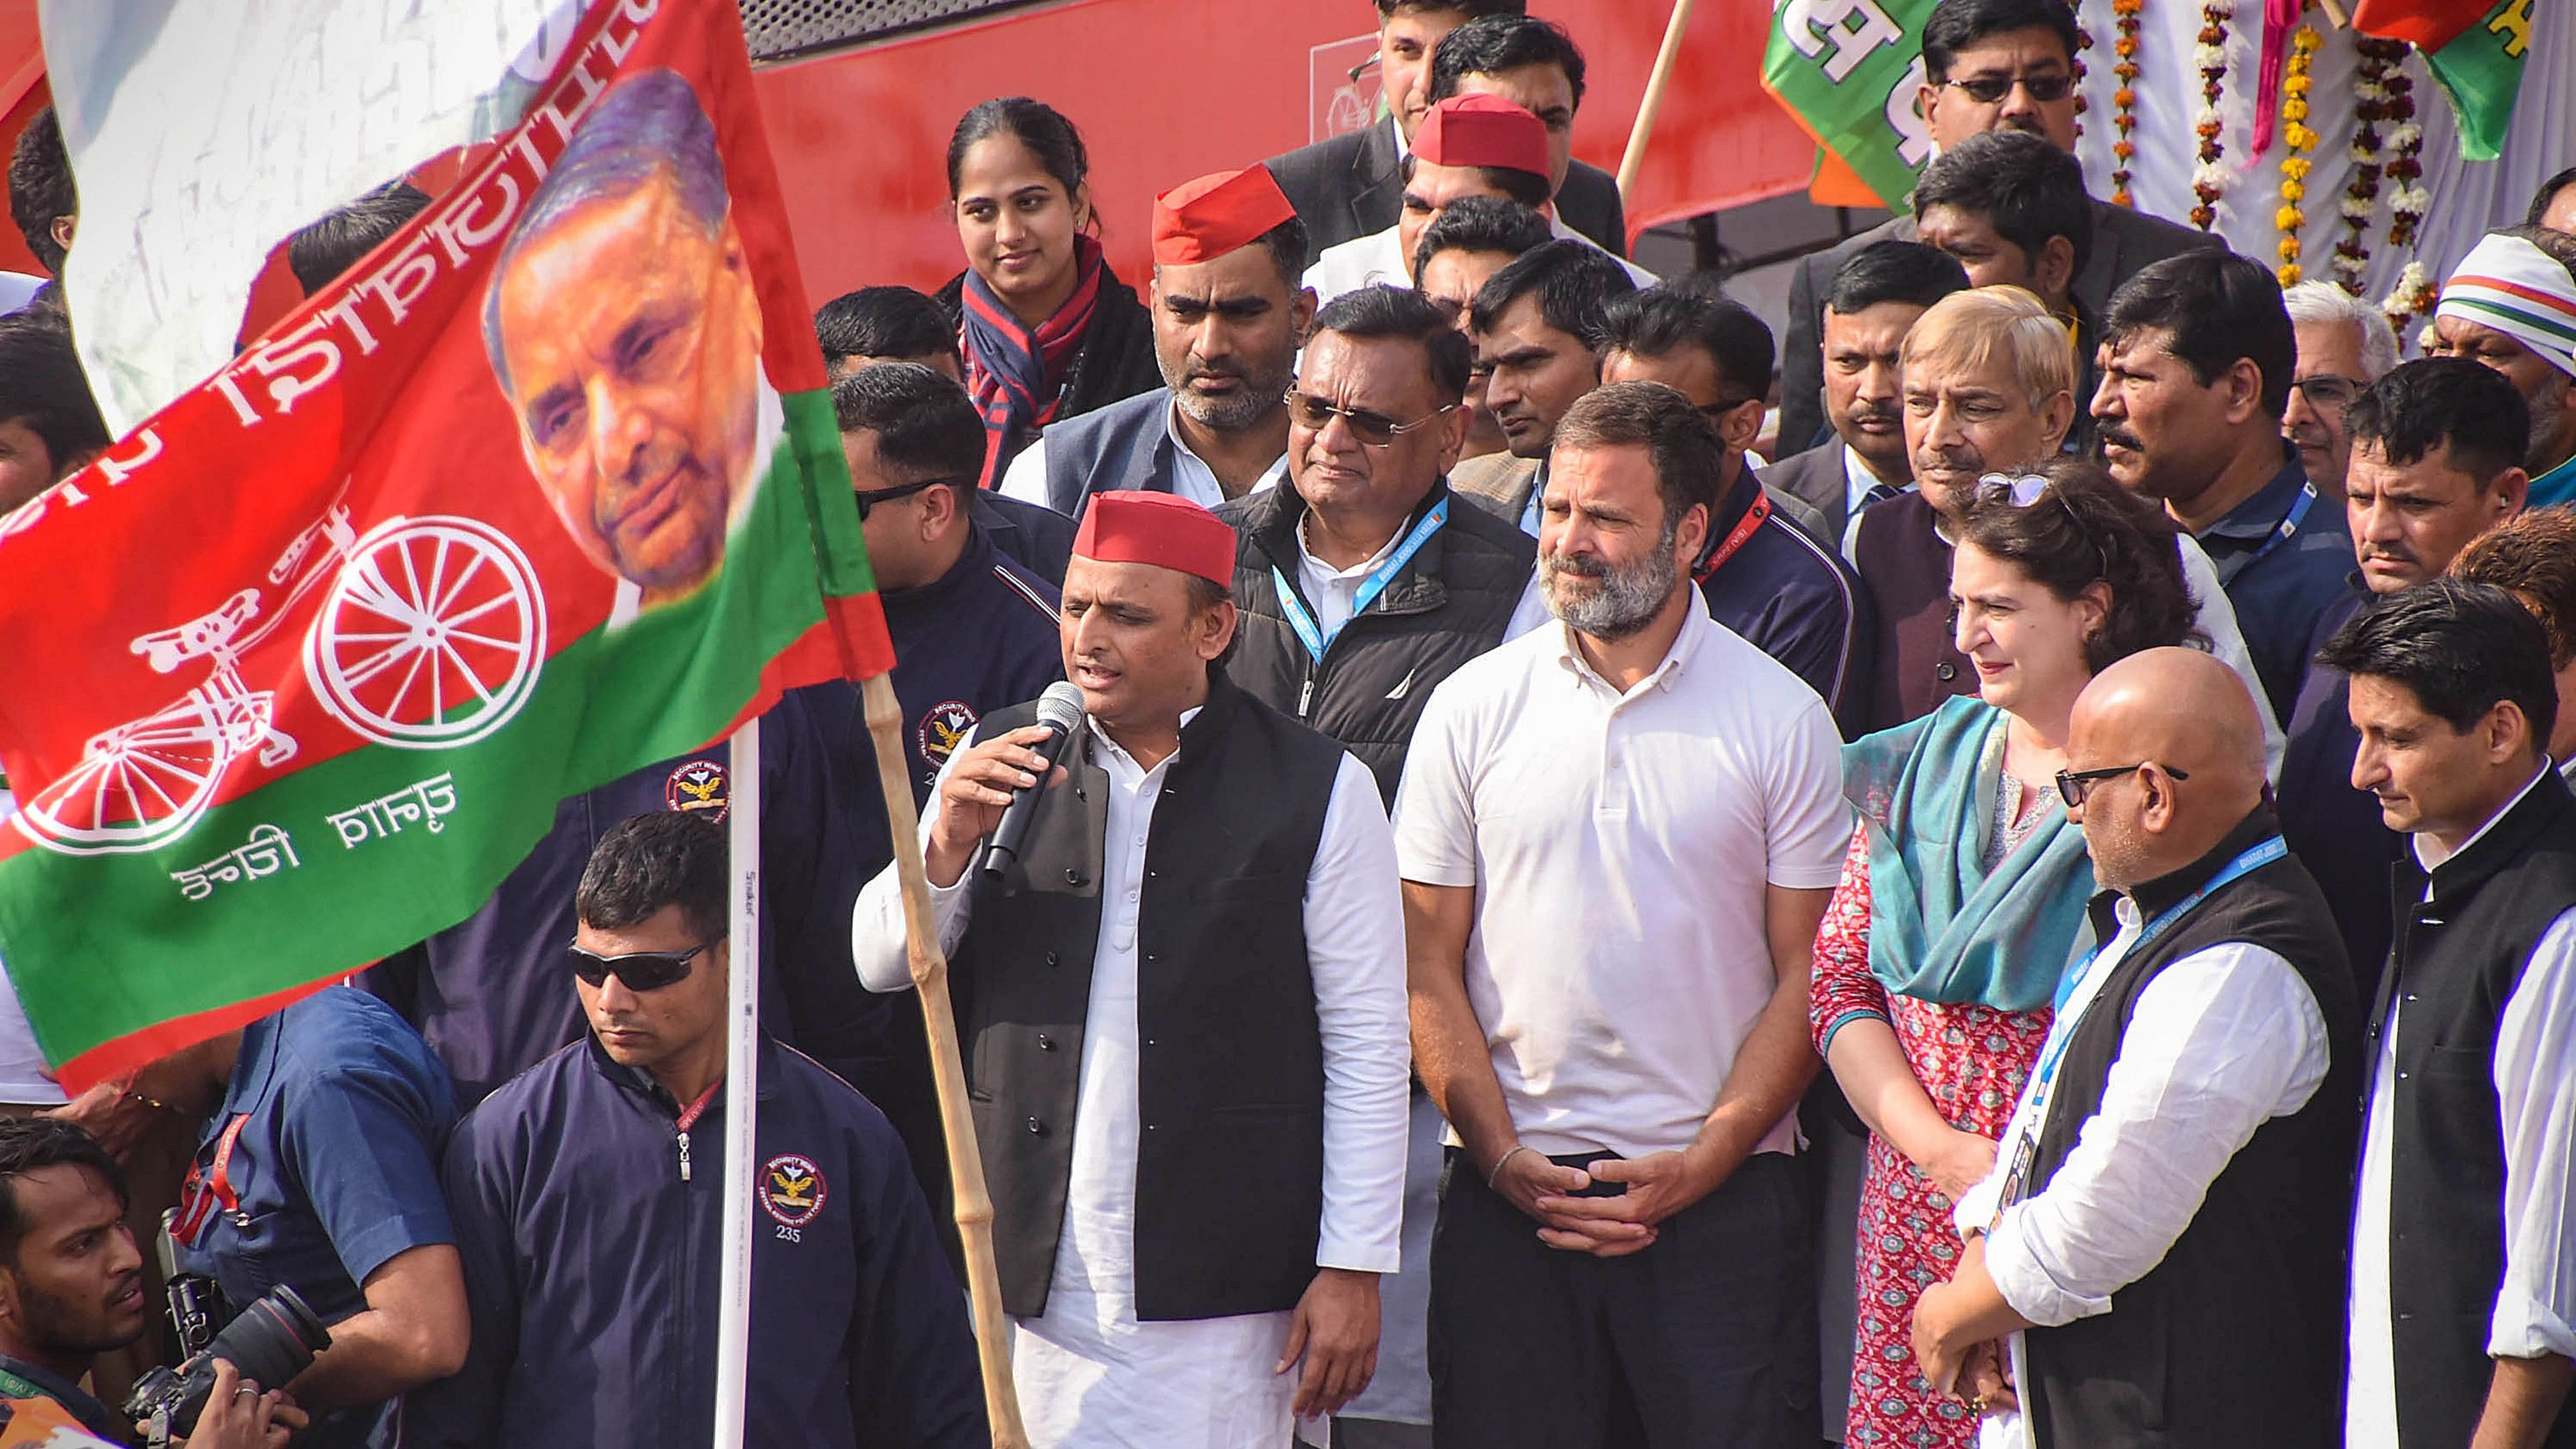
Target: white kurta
[1192,478]
[1090,1374]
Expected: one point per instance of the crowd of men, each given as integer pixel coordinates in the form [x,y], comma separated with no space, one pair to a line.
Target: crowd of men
[1401,1023]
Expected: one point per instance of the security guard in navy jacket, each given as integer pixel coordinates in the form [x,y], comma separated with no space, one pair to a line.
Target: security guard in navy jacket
[588,1197]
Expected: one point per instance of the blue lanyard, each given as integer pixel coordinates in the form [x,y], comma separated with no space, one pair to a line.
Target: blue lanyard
[2288,527]
[2252,860]
[1311,634]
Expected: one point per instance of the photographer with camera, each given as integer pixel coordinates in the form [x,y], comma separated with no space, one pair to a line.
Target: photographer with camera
[317,1171]
[71,1288]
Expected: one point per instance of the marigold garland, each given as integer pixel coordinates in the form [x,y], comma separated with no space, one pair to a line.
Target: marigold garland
[2407,198]
[2370,109]
[2299,140]
[2083,44]
[2124,98]
[2209,180]
[2413,296]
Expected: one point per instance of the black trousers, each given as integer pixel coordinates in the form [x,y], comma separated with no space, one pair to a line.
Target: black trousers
[1705,1340]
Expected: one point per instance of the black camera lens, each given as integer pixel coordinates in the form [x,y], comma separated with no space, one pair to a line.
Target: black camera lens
[270,1342]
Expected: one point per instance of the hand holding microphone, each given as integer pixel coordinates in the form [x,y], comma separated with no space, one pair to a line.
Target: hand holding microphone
[993,789]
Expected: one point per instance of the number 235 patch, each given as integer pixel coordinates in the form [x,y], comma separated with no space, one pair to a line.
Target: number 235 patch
[792,1192]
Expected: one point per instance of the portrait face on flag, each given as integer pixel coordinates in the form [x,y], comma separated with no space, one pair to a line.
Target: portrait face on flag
[624,329]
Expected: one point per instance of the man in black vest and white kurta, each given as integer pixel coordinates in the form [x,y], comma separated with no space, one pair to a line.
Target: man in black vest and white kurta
[2160,1242]
[1228,312]
[1185,1019]
[2463,1289]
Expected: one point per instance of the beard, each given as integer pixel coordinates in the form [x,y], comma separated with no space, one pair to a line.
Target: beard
[1628,598]
[2547,405]
[1249,404]
[56,1325]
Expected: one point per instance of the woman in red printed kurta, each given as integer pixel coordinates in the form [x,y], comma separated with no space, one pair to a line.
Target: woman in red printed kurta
[1963,891]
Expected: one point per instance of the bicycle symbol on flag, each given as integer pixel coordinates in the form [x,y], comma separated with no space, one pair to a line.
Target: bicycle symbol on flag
[430,635]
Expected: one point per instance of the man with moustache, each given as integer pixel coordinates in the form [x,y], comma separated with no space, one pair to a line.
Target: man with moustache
[1474,238]
[1989,382]
[2435,451]
[1536,326]
[2196,359]
[2345,344]
[1228,314]
[1988,65]
[2511,304]
[1874,301]
[2165,1283]
[1618,837]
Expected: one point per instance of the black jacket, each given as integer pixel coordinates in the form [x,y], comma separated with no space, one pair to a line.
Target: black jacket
[1449,603]
[2236,1337]
[1117,356]
[2123,241]
[1346,187]
[1230,1083]
[2460,952]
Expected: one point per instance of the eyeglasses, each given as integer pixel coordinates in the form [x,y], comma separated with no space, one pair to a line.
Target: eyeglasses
[903,490]
[1375,430]
[2074,785]
[2328,393]
[640,970]
[1985,90]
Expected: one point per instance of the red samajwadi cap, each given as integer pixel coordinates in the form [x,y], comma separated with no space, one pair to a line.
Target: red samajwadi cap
[1157,528]
[1482,130]
[1202,220]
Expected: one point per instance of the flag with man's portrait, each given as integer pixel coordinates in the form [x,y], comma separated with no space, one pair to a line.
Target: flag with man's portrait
[545,489]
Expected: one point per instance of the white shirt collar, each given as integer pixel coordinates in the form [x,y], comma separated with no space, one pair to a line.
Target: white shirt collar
[1277,470]
[1403,147]
[2429,852]
[1309,563]
[1695,626]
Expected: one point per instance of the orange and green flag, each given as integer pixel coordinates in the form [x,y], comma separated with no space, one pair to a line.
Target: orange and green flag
[546,489]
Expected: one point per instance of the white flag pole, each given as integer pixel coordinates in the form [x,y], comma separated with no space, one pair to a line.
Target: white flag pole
[742,1089]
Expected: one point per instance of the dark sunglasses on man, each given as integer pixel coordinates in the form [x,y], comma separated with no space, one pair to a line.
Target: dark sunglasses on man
[1986,90]
[640,970]
[1373,430]
[2074,785]
[905,490]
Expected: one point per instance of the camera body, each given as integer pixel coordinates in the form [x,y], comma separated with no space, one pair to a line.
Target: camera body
[269,1342]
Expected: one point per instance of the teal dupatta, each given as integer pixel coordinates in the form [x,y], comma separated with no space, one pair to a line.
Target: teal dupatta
[1941,927]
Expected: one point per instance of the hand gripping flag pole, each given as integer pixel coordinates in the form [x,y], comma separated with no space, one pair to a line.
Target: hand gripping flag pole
[930,974]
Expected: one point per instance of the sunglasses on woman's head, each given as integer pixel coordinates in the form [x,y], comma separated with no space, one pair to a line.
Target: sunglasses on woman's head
[640,970]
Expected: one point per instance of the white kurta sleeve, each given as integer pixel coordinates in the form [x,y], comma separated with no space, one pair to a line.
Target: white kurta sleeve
[2535,1077]
[876,922]
[1354,920]
[2219,1042]
[1025,478]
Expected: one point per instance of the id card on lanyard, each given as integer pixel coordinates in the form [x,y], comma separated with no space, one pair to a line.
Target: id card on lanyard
[2061,1034]
[1310,632]
[210,1188]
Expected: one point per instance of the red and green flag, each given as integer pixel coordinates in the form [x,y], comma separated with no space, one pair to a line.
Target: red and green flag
[546,489]
[2475,49]
[1849,71]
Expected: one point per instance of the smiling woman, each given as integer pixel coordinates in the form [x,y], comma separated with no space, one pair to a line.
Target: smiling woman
[1047,328]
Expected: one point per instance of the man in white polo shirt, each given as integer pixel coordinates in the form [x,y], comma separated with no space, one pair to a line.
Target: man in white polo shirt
[1617,837]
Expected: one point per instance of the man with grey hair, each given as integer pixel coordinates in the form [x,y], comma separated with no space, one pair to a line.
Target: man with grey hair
[624,329]
[2345,345]
[1617,836]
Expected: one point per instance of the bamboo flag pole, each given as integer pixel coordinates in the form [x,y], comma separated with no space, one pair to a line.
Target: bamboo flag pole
[948,1068]
[742,1088]
[1653,100]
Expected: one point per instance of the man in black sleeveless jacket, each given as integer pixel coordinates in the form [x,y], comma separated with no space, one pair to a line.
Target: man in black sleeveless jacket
[1185,1020]
[1367,583]
[2462,1297]
[2161,1237]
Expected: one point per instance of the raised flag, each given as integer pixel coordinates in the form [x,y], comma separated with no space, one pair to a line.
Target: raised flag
[2474,48]
[1850,72]
[546,489]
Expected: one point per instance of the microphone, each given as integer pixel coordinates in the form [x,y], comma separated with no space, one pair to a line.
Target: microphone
[1060,711]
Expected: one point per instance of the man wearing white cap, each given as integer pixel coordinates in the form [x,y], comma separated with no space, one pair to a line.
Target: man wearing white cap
[2511,304]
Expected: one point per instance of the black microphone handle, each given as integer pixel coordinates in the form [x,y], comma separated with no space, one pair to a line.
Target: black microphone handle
[1003,850]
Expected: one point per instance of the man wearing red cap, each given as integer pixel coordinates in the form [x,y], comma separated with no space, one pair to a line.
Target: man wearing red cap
[1469,145]
[1228,314]
[1185,1031]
